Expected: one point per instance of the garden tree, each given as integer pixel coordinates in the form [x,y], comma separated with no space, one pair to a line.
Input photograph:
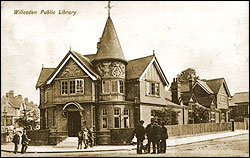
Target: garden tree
[167,115]
[186,75]
[30,119]
[200,114]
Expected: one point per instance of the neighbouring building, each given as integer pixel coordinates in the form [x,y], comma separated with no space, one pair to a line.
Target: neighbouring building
[12,108]
[211,94]
[240,106]
[103,89]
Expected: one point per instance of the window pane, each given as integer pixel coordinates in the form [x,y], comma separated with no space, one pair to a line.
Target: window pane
[147,88]
[117,122]
[64,87]
[104,112]
[79,85]
[72,87]
[114,86]
[152,88]
[121,86]
[157,89]
[104,122]
[116,111]
[126,122]
[106,87]
[126,111]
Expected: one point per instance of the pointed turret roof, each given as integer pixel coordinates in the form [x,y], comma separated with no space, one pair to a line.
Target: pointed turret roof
[109,46]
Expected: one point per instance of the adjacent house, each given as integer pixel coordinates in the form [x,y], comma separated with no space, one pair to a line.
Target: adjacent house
[211,94]
[240,106]
[10,109]
[104,90]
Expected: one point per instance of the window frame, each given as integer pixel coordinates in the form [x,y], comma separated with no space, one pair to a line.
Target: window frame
[63,87]
[117,116]
[126,117]
[76,86]
[104,116]
[152,88]
[103,88]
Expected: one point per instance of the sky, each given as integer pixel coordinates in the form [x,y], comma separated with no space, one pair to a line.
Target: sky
[211,37]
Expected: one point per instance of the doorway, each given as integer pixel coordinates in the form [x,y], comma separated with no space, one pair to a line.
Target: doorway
[74,123]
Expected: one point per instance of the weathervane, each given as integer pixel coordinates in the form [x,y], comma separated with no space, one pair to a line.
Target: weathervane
[109,7]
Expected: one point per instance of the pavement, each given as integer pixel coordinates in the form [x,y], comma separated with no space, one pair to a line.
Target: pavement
[171,142]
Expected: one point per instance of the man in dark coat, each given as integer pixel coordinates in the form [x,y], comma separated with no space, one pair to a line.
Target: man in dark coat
[16,141]
[80,139]
[150,135]
[156,137]
[25,142]
[164,136]
[139,132]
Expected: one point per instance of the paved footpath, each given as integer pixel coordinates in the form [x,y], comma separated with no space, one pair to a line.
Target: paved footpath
[171,142]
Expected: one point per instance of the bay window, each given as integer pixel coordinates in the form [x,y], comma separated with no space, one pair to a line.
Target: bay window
[104,118]
[113,86]
[126,118]
[116,118]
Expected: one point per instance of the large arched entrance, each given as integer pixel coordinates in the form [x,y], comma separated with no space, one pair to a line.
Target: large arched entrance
[74,115]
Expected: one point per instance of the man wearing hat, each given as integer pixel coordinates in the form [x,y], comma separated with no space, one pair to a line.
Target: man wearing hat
[139,132]
[16,141]
[150,134]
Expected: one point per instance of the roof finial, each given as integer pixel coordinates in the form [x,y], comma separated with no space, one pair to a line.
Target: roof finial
[69,47]
[42,65]
[154,52]
[109,7]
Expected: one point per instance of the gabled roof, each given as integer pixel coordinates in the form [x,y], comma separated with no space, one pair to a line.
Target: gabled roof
[82,62]
[109,46]
[91,57]
[86,62]
[14,102]
[203,85]
[205,101]
[215,85]
[136,67]
[241,97]
[185,97]
[44,74]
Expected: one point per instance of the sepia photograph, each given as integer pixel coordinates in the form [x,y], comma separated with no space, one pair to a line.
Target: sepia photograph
[124,79]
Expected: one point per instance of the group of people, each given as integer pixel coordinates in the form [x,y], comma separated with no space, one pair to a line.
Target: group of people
[85,136]
[156,134]
[24,141]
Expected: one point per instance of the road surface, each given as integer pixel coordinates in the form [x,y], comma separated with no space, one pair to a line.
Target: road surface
[236,146]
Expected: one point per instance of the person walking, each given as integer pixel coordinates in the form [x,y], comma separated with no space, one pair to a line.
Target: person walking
[85,137]
[80,139]
[25,142]
[16,141]
[164,136]
[90,137]
[149,134]
[139,132]
[156,137]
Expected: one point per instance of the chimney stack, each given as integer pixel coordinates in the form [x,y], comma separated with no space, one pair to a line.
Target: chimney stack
[175,89]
